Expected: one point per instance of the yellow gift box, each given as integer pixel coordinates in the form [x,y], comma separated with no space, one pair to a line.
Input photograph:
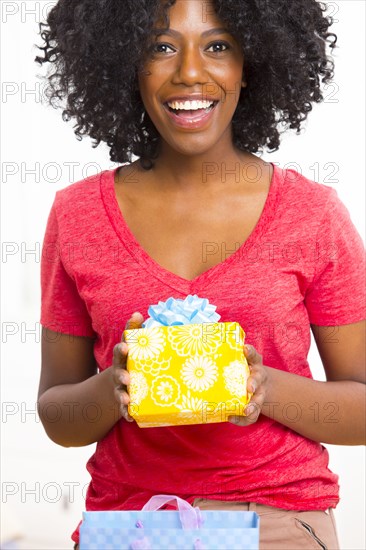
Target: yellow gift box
[186,374]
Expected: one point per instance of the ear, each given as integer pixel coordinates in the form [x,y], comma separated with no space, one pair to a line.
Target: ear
[244,83]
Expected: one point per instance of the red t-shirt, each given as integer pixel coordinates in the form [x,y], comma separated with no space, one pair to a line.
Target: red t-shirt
[303,263]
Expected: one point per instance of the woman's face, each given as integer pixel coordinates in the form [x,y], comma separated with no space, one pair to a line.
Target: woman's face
[191,79]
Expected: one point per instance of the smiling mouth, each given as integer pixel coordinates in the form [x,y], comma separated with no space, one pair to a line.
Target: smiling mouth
[185,111]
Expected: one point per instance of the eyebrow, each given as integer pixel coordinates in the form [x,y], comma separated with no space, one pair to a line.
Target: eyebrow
[177,34]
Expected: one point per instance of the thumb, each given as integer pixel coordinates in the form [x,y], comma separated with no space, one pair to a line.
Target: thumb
[135,321]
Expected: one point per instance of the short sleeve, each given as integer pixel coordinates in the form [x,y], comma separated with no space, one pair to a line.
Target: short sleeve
[62,308]
[337,293]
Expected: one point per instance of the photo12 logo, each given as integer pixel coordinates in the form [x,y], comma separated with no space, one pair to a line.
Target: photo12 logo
[26,11]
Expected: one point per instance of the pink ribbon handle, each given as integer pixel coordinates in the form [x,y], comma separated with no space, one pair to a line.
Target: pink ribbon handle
[141,544]
[190,517]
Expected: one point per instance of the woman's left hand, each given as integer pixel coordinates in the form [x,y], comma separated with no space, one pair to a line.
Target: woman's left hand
[257,385]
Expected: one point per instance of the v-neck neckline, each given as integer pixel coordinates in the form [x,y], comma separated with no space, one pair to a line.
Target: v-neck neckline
[186,286]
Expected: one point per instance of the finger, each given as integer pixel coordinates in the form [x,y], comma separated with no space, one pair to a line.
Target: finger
[126,416]
[123,396]
[246,420]
[252,356]
[239,420]
[255,380]
[251,413]
[124,402]
[135,321]
[124,378]
[252,384]
[120,351]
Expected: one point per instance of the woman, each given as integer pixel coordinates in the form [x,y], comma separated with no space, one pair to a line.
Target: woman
[194,88]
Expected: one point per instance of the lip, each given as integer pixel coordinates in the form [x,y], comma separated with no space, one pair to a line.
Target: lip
[191,123]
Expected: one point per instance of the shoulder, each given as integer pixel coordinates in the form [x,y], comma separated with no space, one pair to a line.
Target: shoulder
[312,210]
[80,204]
[83,194]
[302,198]
[296,185]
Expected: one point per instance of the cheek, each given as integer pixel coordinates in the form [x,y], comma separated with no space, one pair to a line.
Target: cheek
[226,82]
[149,86]
[147,96]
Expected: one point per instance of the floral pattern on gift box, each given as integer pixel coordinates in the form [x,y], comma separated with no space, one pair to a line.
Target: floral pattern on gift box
[190,409]
[138,386]
[154,368]
[193,340]
[165,391]
[199,373]
[191,388]
[234,338]
[194,410]
[235,378]
[210,412]
[191,404]
[146,344]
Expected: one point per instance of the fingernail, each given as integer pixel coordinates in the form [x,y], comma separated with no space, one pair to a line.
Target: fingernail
[249,410]
[234,419]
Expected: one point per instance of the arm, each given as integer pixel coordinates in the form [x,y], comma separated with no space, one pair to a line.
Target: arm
[329,412]
[78,406]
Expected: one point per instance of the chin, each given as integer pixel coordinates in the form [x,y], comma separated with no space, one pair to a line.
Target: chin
[192,146]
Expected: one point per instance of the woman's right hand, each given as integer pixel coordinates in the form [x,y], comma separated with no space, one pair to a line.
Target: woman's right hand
[120,375]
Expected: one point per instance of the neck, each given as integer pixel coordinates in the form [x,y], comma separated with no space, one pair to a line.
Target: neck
[212,169]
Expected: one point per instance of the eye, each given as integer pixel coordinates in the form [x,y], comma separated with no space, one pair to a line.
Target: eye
[161,47]
[218,47]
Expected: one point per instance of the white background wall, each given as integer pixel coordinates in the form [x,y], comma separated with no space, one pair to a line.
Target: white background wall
[43,485]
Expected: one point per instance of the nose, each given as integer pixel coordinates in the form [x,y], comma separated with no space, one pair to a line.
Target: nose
[191,67]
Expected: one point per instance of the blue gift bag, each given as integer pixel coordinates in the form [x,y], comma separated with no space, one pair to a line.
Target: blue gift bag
[187,528]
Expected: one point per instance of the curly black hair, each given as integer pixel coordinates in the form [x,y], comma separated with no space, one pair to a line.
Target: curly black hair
[96,47]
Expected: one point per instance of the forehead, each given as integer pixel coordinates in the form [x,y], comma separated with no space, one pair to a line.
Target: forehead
[187,14]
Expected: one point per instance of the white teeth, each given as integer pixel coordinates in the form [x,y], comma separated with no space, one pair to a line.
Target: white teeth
[190,105]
